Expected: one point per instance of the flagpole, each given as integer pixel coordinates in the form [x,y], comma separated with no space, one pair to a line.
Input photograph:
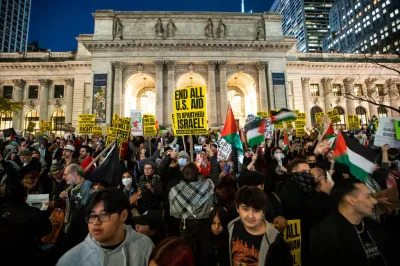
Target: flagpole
[184,144]
[98,156]
[191,148]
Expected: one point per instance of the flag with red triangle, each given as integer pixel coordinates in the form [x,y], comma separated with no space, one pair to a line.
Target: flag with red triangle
[230,132]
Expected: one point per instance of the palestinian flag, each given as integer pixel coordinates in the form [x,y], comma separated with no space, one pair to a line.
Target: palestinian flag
[328,132]
[282,115]
[358,158]
[230,132]
[285,142]
[255,131]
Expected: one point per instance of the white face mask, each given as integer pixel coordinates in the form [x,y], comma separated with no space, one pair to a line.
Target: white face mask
[279,156]
[182,161]
[127,181]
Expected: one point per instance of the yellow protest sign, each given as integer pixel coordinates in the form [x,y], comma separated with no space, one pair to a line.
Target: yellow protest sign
[292,236]
[289,124]
[121,127]
[45,126]
[86,123]
[353,122]
[97,131]
[149,125]
[263,114]
[318,117]
[334,116]
[31,127]
[301,116]
[190,111]
[279,125]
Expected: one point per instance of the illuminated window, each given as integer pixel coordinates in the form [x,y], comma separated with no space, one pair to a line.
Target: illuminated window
[32,116]
[358,90]
[6,120]
[362,115]
[58,122]
[337,90]
[314,89]
[382,112]
[380,90]
[342,123]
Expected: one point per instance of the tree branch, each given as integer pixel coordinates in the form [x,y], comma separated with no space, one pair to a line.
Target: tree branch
[369,100]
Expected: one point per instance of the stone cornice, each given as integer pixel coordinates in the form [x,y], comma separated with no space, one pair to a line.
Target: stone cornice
[33,65]
[282,44]
[337,65]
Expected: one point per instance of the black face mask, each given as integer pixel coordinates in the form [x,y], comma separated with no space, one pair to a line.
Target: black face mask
[305,182]
[310,148]
[312,165]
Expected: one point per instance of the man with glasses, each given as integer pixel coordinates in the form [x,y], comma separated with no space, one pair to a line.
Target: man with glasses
[110,241]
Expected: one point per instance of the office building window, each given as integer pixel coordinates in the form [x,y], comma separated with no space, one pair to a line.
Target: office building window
[337,90]
[58,91]
[8,92]
[314,89]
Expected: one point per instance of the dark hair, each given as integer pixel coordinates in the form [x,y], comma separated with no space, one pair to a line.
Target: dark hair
[344,187]
[17,193]
[222,214]
[274,149]
[172,251]
[308,154]
[190,172]
[153,166]
[251,178]
[293,164]
[320,172]
[88,149]
[251,196]
[101,183]
[114,200]
[215,145]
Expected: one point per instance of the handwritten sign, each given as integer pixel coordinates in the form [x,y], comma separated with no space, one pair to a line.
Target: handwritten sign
[386,133]
[136,122]
[190,112]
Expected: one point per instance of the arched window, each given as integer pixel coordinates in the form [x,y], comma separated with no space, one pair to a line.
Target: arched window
[32,116]
[58,122]
[382,112]
[235,98]
[342,123]
[6,120]
[362,115]
[147,101]
[314,110]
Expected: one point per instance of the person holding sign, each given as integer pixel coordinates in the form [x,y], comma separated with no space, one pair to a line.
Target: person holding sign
[348,236]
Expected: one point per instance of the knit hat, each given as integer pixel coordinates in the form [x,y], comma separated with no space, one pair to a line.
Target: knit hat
[25,152]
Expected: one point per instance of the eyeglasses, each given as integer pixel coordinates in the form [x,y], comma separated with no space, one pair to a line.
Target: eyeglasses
[102,217]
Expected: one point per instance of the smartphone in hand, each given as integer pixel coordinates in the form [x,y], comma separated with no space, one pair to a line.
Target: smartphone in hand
[227,168]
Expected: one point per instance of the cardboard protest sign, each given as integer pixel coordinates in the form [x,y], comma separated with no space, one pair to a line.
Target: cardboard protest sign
[31,127]
[386,133]
[86,123]
[190,111]
[45,126]
[353,122]
[136,122]
[397,127]
[334,116]
[300,116]
[263,114]
[318,117]
[149,125]
[97,131]
[224,149]
[292,236]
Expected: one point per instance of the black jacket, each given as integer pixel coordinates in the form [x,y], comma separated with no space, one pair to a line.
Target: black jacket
[335,241]
[34,165]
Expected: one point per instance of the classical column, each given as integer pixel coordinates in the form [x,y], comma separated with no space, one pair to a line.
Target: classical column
[70,100]
[19,85]
[305,84]
[211,95]
[223,94]
[327,86]
[1,88]
[394,95]
[349,89]
[44,98]
[118,66]
[171,88]
[159,92]
[262,84]
[371,93]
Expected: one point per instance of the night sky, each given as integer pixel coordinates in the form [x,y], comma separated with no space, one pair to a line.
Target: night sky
[56,23]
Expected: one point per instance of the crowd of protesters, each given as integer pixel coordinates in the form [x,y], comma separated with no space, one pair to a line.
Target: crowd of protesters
[169,210]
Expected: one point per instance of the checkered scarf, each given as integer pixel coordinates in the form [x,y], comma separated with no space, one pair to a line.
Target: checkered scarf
[186,197]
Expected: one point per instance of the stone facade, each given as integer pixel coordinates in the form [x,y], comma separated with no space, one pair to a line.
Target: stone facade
[150,54]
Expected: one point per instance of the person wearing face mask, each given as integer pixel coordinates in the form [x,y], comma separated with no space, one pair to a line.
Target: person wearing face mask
[298,195]
[311,159]
[277,171]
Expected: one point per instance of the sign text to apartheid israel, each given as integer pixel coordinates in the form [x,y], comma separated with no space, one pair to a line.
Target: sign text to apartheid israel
[86,123]
[149,125]
[45,126]
[318,117]
[292,236]
[353,122]
[190,111]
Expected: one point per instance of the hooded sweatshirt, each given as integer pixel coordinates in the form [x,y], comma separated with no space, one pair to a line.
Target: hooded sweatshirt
[134,250]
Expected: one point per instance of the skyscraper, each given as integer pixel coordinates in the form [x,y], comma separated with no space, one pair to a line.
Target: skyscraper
[14,24]
[369,26]
[307,20]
